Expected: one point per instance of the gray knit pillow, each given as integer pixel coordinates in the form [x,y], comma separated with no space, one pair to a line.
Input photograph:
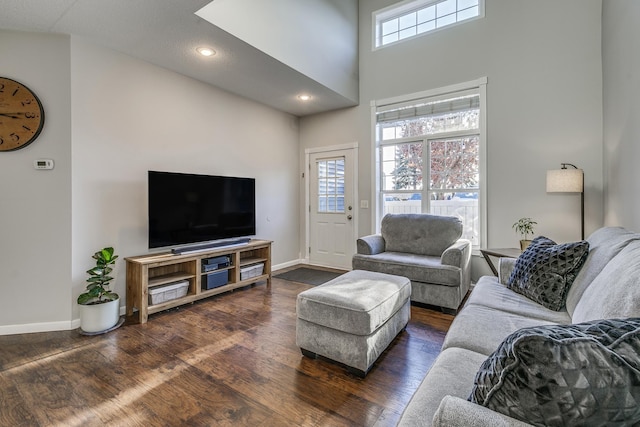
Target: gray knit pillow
[587,374]
[545,271]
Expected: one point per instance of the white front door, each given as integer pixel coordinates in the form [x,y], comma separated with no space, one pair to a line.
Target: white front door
[332,238]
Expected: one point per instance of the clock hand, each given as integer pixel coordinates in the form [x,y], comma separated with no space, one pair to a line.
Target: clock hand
[12,115]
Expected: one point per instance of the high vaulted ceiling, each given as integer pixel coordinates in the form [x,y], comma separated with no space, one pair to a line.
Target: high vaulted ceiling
[167,32]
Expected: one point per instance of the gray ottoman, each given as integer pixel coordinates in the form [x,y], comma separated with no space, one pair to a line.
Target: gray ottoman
[353,318]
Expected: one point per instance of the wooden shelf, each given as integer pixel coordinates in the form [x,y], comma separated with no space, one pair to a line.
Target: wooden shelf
[148,271]
[251,260]
[169,278]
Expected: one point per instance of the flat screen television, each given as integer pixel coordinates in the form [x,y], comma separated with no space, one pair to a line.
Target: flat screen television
[188,209]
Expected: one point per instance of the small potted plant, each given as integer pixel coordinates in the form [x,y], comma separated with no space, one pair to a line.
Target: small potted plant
[99,307]
[524,227]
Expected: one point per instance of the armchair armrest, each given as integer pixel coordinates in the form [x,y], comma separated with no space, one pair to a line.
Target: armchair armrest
[370,245]
[454,411]
[505,267]
[458,254]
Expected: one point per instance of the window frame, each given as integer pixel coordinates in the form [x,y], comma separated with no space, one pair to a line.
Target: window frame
[377,189]
[403,8]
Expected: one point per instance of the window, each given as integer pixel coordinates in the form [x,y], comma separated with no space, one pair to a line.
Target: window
[429,156]
[331,185]
[412,18]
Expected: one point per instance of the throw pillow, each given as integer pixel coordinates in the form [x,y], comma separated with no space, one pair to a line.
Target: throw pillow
[545,271]
[587,374]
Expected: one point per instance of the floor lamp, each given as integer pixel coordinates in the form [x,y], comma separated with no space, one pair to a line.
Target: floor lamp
[565,180]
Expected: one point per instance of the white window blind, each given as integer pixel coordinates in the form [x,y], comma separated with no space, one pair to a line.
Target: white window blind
[428,107]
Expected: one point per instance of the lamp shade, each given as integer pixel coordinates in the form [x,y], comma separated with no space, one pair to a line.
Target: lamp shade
[565,181]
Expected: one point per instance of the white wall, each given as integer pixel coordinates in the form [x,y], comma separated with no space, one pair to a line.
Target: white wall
[109,119]
[35,225]
[543,64]
[621,69]
[130,117]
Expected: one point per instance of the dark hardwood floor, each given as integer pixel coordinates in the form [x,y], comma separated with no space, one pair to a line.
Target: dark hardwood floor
[227,360]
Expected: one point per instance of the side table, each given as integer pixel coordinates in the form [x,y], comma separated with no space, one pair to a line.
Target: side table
[500,253]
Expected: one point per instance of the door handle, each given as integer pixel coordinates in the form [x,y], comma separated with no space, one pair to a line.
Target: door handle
[349,217]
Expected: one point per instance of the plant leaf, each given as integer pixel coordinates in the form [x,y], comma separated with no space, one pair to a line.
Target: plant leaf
[111,296]
[95,292]
[85,298]
[107,254]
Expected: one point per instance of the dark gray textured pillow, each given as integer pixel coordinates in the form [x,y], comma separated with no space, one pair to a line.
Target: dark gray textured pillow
[545,271]
[587,374]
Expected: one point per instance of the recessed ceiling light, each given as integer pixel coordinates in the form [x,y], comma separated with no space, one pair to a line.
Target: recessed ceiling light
[304,97]
[206,51]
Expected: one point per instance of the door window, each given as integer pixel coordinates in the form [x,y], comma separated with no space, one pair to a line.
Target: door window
[331,185]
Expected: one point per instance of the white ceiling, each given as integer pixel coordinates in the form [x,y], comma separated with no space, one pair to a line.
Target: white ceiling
[166,33]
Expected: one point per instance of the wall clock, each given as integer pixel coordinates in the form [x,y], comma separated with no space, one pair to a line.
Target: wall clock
[21,115]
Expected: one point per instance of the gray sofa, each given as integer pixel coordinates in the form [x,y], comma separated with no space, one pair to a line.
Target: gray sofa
[606,287]
[427,249]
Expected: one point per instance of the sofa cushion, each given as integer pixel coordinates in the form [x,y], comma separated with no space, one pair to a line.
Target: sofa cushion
[417,268]
[469,328]
[545,271]
[604,244]
[454,411]
[570,375]
[451,374]
[615,292]
[488,292]
[505,267]
[420,234]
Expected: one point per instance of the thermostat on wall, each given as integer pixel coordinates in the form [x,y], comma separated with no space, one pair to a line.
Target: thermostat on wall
[43,164]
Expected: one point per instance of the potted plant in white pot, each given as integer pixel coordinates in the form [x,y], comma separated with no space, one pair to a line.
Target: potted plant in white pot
[99,307]
[524,226]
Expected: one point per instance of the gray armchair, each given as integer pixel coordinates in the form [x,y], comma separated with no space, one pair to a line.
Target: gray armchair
[427,249]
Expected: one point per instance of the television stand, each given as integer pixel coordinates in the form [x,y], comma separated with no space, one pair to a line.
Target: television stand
[203,247]
[249,263]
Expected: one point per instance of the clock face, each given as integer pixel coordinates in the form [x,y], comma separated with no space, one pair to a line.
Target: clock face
[21,115]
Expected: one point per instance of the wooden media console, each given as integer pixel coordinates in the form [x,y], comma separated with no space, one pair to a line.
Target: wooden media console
[146,272]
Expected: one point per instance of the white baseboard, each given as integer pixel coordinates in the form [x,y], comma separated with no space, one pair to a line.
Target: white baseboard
[288,264]
[28,328]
